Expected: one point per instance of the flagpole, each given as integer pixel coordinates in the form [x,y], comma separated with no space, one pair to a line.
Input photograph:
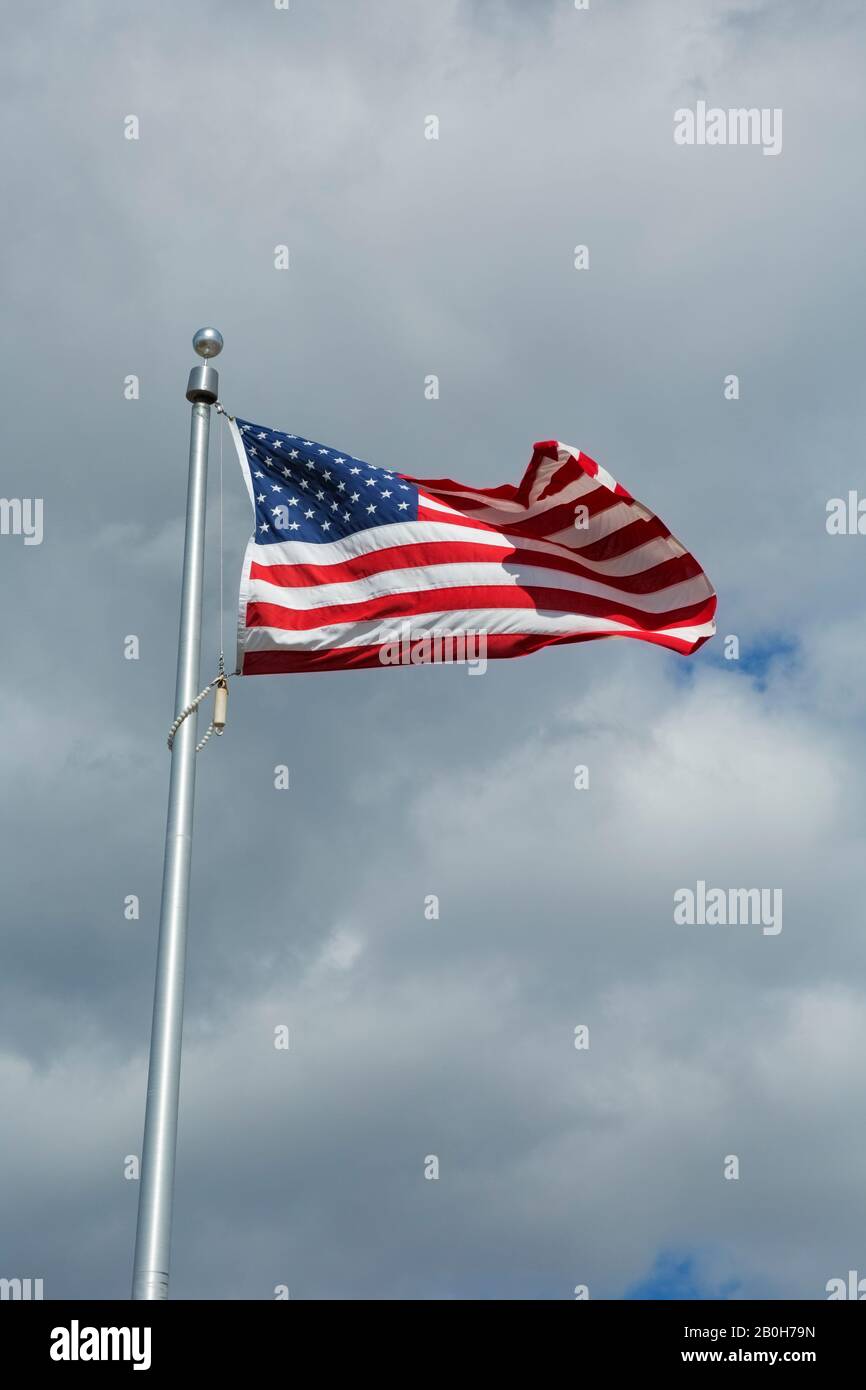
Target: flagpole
[153,1236]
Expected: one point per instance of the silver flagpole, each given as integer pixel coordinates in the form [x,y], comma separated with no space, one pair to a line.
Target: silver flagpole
[153,1237]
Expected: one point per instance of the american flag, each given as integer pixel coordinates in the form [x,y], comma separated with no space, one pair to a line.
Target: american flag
[346,556]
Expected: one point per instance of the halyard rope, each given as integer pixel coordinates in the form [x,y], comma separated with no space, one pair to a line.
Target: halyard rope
[222,605]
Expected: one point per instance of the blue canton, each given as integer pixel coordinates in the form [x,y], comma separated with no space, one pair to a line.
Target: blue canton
[305,492]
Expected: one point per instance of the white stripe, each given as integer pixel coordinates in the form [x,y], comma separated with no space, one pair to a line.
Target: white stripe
[394,534]
[601,525]
[643,557]
[602,476]
[426,578]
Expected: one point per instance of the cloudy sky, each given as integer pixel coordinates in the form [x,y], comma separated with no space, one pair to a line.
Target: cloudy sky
[409,1038]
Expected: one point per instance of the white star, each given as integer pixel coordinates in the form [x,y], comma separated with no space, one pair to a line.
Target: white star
[294,526]
[276,487]
[263,435]
[346,516]
[326,475]
[334,506]
[244,429]
[339,460]
[319,495]
[310,464]
[258,474]
[341,487]
[276,444]
[303,483]
[387,492]
[323,451]
[371,508]
[309,514]
[308,443]
[287,473]
[326,525]
[264,526]
[294,454]
[402,506]
[354,470]
[268,461]
[403,487]
[293,501]
[369,481]
[260,497]
[354,497]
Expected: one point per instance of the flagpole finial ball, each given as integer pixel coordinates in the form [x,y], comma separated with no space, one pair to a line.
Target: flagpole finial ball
[208,342]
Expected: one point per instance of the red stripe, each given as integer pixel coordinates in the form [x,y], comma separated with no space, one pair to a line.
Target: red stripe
[499,646]
[569,470]
[609,547]
[544,523]
[561,517]
[626,539]
[474,597]
[472,498]
[660,576]
[548,449]
[506,492]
